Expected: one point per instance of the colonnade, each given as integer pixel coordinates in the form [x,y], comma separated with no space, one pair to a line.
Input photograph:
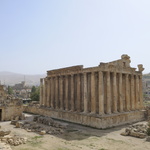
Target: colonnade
[94,92]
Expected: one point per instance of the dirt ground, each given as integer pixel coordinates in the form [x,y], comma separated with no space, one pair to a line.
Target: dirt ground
[78,138]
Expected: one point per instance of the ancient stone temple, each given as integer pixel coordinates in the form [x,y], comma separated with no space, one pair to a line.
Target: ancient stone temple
[107,95]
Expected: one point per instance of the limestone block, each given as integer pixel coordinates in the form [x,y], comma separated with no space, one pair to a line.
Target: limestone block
[4,132]
[13,122]
[137,134]
[42,132]
[19,124]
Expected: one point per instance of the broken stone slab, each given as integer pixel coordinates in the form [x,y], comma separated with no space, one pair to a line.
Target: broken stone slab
[42,132]
[124,133]
[13,122]
[19,124]
[137,134]
[4,132]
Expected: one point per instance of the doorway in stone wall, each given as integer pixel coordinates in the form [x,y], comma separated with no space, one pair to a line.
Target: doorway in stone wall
[0,114]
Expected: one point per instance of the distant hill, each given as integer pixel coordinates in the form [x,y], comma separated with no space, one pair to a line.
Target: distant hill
[9,78]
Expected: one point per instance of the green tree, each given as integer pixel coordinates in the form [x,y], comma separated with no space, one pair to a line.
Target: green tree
[10,90]
[33,90]
[35,93]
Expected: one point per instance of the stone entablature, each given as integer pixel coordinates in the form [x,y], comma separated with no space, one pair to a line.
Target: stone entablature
[109,88]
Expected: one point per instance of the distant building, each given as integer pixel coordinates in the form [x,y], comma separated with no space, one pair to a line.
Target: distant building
[19,86]
[21,90]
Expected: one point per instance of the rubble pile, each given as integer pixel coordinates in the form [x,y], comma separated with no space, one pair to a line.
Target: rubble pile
[47,121]
[137,130]
[41,125]
[5,137]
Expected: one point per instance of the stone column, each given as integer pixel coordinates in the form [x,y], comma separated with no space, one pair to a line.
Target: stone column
[101,93]
[108,100]
[66,92]
[72,92]
[141,92]
[41,91]
[85,98]
[127,96]
[120,93]
[137,93]
[61,93]
[56,92]
[44,92]
[78,93]
[52,92]
[48,92]
[132,93]
[115,98]
[93,100]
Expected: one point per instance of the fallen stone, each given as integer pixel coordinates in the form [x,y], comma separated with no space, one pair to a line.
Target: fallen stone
[4,132]
[42,132]
[19,124]
[13,122]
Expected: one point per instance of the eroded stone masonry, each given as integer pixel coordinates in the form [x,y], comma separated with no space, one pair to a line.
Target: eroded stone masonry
[10,108]
[103,96]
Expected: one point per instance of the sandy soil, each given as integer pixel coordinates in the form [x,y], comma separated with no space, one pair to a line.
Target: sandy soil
[78,138]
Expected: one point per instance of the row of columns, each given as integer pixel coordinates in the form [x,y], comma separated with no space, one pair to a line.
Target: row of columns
[116,92]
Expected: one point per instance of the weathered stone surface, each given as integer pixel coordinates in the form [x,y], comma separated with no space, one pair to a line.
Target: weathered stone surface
[42,132]
[11,139]
[42,125]
[138,130]
[109,94]
[11,108]
[4,132]
[13,122]
[19,124]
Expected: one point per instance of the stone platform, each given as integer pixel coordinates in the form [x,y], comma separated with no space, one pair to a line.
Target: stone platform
[96,121]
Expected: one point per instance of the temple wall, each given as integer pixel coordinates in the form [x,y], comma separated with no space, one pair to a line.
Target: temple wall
[110,89]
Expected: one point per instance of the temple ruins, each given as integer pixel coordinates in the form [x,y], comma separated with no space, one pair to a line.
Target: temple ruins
[107,95]
[10,108]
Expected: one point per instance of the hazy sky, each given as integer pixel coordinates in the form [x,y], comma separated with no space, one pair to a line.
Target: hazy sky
[40,35]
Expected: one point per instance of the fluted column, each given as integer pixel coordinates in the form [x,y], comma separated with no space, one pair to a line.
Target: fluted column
[93,100]
[101,93]
[48,93]
[108,100]
[85,93]
[137,93]
[114,93]
[120,93]
[132,93]
[78,93]
[52,92]
[56,92]
[72,92]
[66,93]
[44,92]
[127,96]
[41,92]
[141,92]
[61,92]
